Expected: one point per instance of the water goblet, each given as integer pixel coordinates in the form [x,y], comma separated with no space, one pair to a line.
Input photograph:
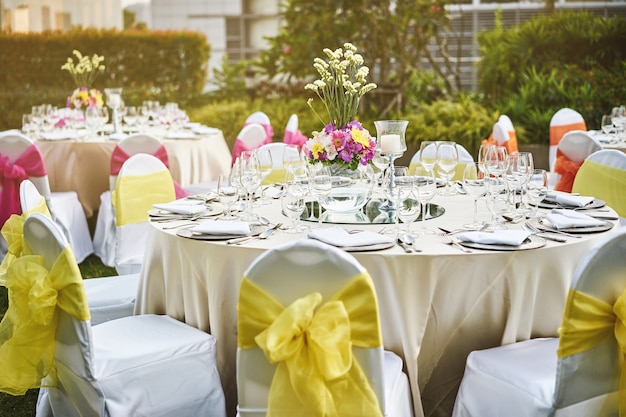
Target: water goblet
[497,201]
[495,161]
[425,189]
[447,159]
[292,158]
[428,154]
[228,195]
[293,207]
[296,189]
[475,187]
[409,210]
[320,180]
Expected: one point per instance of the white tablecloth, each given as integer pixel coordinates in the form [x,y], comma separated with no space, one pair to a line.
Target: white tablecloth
[84,166]
[435,306]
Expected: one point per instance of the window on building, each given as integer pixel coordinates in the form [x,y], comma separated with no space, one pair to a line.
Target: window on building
[22,19]
[45,18]
[63,21]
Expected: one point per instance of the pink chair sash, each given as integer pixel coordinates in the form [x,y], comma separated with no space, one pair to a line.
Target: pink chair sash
[29,164]
[567,169]
[295,138]
[269,131]
[119,156]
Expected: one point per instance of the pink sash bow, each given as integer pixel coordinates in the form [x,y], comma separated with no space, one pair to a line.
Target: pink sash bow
[295,138]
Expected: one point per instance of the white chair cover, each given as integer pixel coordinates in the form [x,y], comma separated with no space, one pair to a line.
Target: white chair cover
[527,378]
[563,121]
[156,187]
[64,206]
[104,234]
[288,273]
[108,297]
[577,145]
[135,366]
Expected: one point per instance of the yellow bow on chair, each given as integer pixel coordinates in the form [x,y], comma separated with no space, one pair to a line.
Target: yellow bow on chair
[312,344]
[13,232]
[587,321]
[134,195]
[27,331]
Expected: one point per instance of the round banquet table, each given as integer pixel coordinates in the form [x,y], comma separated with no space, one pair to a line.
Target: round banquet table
[436,306]
[84,166]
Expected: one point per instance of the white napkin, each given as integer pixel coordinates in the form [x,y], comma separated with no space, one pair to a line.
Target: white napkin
[181,135]
[182,206]
[117,136]
[222,227]
[60,135]
[562,219]
[499,237]
[204,130]
[340,237]
[570,200]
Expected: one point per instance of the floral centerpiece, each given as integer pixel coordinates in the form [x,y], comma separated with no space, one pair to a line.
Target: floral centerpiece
[84,72]
[343,82]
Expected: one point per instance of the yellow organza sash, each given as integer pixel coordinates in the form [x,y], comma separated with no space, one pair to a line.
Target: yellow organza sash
[607,182]
[135,194]
[276,176]
[312,344]
[27,331]
[587,321]
[13,232]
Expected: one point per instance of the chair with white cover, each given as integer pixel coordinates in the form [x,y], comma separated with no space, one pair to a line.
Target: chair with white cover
[292,135]
[464,158]
[110,297]
[20,158]
[104,234]
[577,374]
[142,182]
[603,175]
[309,338]
[278,172]
[563,121]
[250,137]
[573,149]
[503,134]
[264,120]
[146,365]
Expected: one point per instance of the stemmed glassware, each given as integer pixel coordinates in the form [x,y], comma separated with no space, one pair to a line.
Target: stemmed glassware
[536,190]
[519,167]
[475,186]
[409,208]
[131,117]
[495,161]
[428,154]
[320,180]
[398,184]
[447,159]
[114,101]
[426,189]
[381,162]
[292,157]
[296,188]
[228,195]
[266,165]
[250,178]
[497,201]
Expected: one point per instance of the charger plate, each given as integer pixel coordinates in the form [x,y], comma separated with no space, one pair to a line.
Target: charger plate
[533,242]
[544,225]
[208,212]
[255,230]
[595,204]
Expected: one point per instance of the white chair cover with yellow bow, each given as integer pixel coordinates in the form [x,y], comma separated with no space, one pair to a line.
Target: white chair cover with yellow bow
[309,341]
[104,234]
[142,182]
[464,158]
[64,206]
[109,298]
[146,365]
[563,121]
[603,175]
[581,373]
[278,171]
[573,149]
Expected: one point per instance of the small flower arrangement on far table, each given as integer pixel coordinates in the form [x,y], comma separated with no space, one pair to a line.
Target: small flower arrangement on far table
[343,82]
[84,72]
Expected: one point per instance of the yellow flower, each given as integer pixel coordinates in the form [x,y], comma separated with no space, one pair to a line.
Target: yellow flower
[359,137]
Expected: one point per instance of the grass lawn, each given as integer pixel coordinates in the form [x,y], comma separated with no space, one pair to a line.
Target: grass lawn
[24,406]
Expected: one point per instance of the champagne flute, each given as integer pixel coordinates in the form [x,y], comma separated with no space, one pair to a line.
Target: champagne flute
[426,189]
[228,194]
[447,159]
[266,165]
[428,154]
[474,185]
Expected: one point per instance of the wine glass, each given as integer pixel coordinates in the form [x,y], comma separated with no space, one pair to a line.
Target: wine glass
[519,166]
[426,189]
[495,161]
[228,195]
[482,155]
[398,184]
[537,189]
[296,188]
[250,179]
[131,117]
[28,125]
[474,185]
[266,165]
[409,209]
[321,183]
[428,154]
[381,162]
[292,158]
[497,201]
[607,125]
[92,121]
[447,159]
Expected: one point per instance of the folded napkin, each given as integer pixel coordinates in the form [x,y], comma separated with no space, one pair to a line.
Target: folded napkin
[499,237]
[340,237]
[182,206]
[181,135]
[59,135]
[117,136]
[563,218]
[204,130]
[222,227]
[566,199]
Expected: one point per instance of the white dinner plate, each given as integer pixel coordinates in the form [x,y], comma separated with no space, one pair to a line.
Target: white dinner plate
[533,242]
[255,230]
[545,225]
[208,212]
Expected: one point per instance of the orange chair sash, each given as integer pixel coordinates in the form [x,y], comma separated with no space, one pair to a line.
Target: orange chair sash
[568,170]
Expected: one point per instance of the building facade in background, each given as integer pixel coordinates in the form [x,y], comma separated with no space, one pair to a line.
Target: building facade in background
[40,15]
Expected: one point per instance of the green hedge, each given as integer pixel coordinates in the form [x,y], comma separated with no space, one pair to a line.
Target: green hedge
[149,65]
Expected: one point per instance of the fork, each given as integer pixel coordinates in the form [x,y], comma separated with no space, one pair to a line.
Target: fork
[448,241]
[555,231]
[532,229]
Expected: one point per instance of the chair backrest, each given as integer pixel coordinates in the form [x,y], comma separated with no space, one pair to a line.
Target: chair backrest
[603,175]
[572,150]
[132,145]
[276,149]
[143,181]
[250,137]
[73,348]
[563,121]
[595,371]
[31,199]
[506,122]
[292,123]
[258,117]
[288,273]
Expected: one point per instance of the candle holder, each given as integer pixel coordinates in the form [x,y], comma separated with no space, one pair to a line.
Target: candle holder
[391,143]
[114,101]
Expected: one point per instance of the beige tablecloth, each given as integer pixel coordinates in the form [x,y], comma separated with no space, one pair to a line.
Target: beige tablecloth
[84,167]
[435,306]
